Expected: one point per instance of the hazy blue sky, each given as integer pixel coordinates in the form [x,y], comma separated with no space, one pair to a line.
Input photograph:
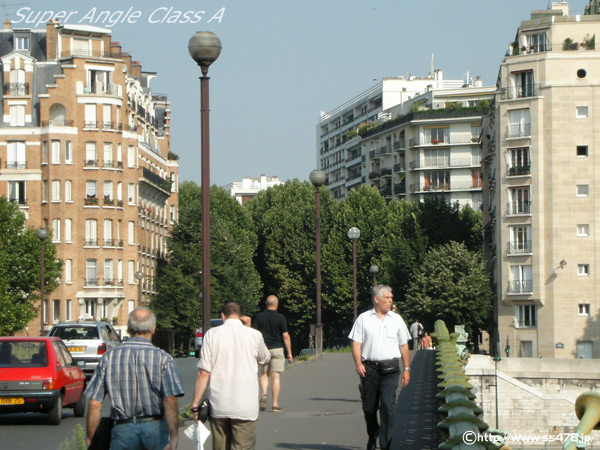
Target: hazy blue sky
[283,61]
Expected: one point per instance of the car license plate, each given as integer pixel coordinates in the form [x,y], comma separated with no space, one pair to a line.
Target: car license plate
[76,349]
[12,401]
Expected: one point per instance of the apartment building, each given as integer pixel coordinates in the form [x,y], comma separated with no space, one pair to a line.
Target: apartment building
[248,188]
[85,152]
[540,204]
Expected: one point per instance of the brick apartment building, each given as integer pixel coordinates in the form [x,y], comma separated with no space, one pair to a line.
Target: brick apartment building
[85,152]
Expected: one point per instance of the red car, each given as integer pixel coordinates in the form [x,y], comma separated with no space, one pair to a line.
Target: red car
[37,374]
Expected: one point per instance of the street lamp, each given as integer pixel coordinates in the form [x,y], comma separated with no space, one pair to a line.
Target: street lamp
[374,270]
[139,275]
[354,234]
[204,48]
[318,178]
[42,234]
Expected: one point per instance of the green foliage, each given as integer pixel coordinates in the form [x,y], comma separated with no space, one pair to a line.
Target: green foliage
[451,285]
[20,269]
[233,276]
[77,442]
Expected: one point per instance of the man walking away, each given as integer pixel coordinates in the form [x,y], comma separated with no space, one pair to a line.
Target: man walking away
[228,364]
[416,331]
[143,384]
[379,338]
[273,327]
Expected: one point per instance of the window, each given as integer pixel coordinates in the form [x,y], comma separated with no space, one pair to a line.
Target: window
[99,81]
[17,115]
[45,311]
[583,230]
[130,306]
[108,154]
[107,124]
[120,193]
[522,84]
[68,152]
[526,316]
[55,311]
[91,232]
[69,310]
[90,115]
[68,191]
[16,192]
[585,349]
[526,349]
[537,42]
[16,156]
[583,190]
[521,280]
[68,230]
[45,193]
[520,239]
[131,193]
[90,307]
[68,271]
[81,47]
[436,181]
[120,272]
[131,232]
[18,85]
[56,190]
[118,237]
[91,272]
[437,135]
[90,188]
[437,157]
[91,157]
[583,270]
[518,161]
[108,272]
[519,123]
[581,112]
[108,240]
[583,309]
[108,193]
[21,43]
[45,152]
[131,156]
[519,201]
[119,156]
[582,151]
[131,272]
[55,152]
[55,230]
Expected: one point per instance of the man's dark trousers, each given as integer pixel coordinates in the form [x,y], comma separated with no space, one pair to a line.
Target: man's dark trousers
[379,390]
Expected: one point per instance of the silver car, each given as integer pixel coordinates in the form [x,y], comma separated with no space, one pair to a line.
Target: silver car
[87,341]
[199,334]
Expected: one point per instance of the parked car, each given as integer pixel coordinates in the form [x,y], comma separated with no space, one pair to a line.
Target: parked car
[38,374]
[87,341]
[198,337]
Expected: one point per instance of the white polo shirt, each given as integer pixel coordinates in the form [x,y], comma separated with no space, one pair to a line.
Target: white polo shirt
[379,339]
[231,353]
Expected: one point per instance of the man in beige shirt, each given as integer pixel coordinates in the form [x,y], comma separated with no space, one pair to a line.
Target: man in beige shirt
[228,366]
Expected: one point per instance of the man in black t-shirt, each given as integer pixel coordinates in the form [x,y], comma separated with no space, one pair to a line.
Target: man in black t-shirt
[273,327]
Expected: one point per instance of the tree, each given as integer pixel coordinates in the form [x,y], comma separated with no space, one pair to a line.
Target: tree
[20,269]
[451,285]
[233,277]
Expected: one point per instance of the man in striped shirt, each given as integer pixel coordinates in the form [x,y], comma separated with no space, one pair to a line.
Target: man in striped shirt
[143,384]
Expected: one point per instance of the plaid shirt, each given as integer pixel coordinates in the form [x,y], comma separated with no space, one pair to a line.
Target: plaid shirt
[136,375]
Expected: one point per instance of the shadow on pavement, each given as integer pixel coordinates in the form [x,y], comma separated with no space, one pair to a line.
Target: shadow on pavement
[314,447]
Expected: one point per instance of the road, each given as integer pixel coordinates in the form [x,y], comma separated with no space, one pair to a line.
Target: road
[31,431]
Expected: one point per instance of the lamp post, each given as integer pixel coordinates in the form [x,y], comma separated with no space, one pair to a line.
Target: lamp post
[497,359]
[354,234]
[139,275]
[204,48]
[317,178]
[42,234]
[374,270]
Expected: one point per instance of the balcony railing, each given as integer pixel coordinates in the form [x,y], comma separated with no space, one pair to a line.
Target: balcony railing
[386,172]
[90,124]
[518,247]
[101,89]
[109,282]
[374,175]
[399,167]
[16,164]
[520,286]
[57,123]
[374,154]
[89,242]
[515,208]
[156,180]
[437,187]
[16,88]
[400,189]
[90,201]
[90,163]
[20,200]
[385,150]
[399,145]
[512,92]
[515,130]
[519,170]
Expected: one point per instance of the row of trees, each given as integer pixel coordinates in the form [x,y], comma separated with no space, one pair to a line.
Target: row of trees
[429,253]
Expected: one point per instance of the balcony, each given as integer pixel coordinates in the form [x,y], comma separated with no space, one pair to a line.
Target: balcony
[385,150]
[519,247]
[374,176]
[19,201]
[90,124]
[519,208]
[16,165]
[101,89]
[386,191]
[400,189]
[520,287]
[517,130]
[16,89]
[57,123]
[156,180]
[90,163]
[400,145]
[108,201]
[399,168]
[103,282]
[516,171]
[90,201]
[386,172]
[374,154]
[514,92]
[91,242]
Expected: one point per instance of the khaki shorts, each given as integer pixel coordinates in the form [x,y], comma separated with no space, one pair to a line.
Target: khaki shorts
[277,362]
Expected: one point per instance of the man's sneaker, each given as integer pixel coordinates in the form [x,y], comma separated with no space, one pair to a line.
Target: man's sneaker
[372,444]
[263,403]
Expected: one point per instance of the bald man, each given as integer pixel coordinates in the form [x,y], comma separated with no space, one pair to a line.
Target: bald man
[273,327]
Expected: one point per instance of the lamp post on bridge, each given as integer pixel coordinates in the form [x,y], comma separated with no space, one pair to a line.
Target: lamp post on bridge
[354,234]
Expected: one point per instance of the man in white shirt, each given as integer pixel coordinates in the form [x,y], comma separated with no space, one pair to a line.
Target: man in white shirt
[379,339]
[228,365]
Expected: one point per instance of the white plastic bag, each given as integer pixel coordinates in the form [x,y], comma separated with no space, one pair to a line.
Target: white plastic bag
[199,433]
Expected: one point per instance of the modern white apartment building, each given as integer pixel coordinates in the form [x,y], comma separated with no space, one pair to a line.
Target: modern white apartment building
[541,210]
[247,188]
[348,159]
[85,152]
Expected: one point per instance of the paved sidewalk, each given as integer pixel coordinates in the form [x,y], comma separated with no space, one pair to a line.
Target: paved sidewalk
[322,409]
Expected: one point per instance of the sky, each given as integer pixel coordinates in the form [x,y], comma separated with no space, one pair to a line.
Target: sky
[284,61]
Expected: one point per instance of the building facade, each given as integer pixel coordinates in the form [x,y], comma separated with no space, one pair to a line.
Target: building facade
[248,188]
[85,152]
[541,210]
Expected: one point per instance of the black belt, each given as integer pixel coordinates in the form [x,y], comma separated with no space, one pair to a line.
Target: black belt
[375,364]
[138,419]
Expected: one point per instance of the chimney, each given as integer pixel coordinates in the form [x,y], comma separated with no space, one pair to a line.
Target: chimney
[115,49]
[478,81]
[51,40]
[136,70]
[7,24]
